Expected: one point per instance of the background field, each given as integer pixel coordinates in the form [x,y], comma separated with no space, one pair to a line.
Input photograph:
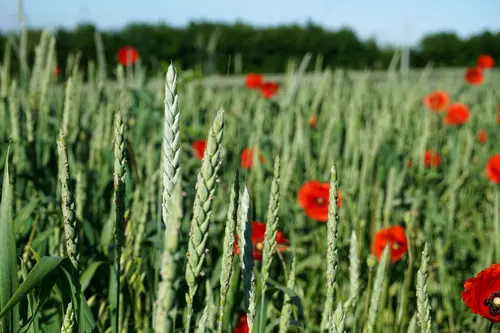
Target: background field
[430,74]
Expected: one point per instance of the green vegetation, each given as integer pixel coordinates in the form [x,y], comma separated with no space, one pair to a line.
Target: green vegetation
[215,47]
[109,223]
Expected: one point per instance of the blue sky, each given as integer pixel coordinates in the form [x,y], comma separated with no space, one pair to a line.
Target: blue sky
[389,21]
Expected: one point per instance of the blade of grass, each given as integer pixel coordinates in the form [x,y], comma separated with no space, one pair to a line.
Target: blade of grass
[8,257]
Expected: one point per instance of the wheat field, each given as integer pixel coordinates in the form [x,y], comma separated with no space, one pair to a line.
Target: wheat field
[135,204]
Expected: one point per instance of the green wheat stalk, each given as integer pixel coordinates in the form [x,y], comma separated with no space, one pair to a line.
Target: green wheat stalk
[69,320]
[252,303]
[338,320]
[165,310]
[119,186]
[34,84]
[377,291]
[271,231]
[353,272]
[331,255]
[170,174]
[228,247]
[423,305]
[388,204]
[68,204]
[5,69]
[412,327]
[8,260]
[171,132]
[47,72]
[272,223]
[140,229]
[246,253]
[204,321]
[71,227]
[101,60]
[202,211]
[67,105]
[80,193]
[15,123]
[286,310]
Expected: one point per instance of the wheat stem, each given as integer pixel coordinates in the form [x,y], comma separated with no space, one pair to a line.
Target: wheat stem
[170,174]
[202,211]
[228,251]
[67,203]
[119,186]
[286,310]
[377,291]
[331,254]
[423,305]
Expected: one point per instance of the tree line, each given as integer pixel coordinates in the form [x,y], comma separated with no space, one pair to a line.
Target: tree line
[219,47]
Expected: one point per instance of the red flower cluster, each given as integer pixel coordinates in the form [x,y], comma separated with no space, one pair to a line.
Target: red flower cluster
[493,169]
[242,326]
[457,114]
[485,62]
[253,80]
[314,197]
[482,293]
[247,158]
[258,233]
[267,88]
[127,56]
[482,136]
[436,101]
[395,238]
[199,147]
[312,121]
[431,158]
[475,75]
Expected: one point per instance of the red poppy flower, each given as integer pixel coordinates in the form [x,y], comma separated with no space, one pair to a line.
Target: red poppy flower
[199,148]
[485,61]
[431,158]
[482,293]
[242,326]
[314,197]
[258,233]
[394,237]
[457,114]
[482,136]
[253,80]
[474,76]
[268,89]
[247,158]
[493,169]
[313,120]
[436,101]
[127,55]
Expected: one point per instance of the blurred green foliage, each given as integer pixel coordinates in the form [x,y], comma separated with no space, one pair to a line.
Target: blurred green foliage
[216,47]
